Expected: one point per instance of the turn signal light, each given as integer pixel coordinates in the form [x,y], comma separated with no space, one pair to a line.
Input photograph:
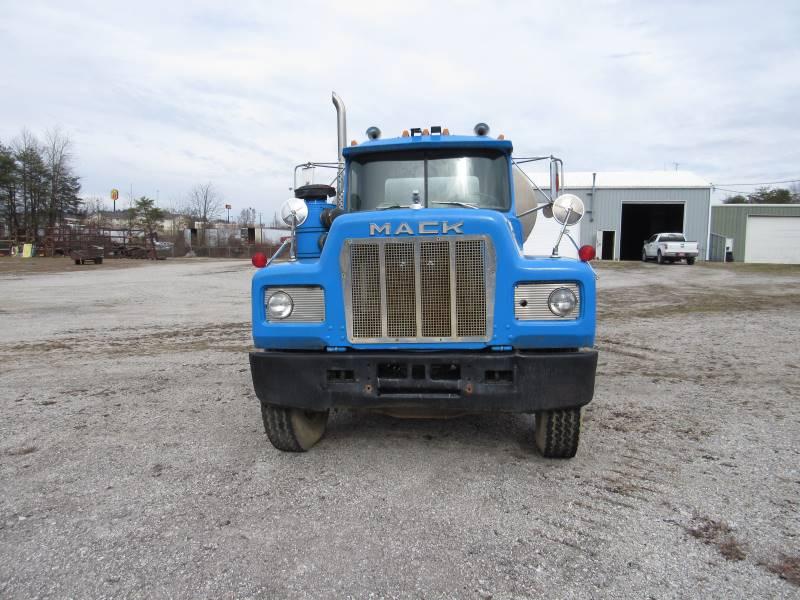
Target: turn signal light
[586,253]
[259,260]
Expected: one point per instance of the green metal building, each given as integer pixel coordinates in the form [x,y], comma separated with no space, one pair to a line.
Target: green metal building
[758,233]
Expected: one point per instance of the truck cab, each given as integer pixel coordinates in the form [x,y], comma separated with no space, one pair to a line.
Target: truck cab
[412,295]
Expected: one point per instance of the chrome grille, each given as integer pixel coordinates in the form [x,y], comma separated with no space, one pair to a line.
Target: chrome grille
[470,288]
[419,289]
[435,279]
[365,286]
[401,302]
[530,301]
[308,304]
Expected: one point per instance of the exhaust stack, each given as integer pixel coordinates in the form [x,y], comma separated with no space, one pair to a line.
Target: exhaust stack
[341,138]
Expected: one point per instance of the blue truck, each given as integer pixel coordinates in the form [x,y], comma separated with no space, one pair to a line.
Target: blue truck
[410,293]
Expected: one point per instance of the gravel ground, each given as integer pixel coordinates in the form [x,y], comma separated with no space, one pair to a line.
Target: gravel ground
[133,462]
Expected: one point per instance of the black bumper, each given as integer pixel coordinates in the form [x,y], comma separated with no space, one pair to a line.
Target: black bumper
[458,381]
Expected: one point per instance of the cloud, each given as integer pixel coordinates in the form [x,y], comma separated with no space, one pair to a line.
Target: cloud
[165,95]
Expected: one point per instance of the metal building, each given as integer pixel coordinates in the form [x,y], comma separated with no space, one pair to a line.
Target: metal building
[760,233]
[625,208]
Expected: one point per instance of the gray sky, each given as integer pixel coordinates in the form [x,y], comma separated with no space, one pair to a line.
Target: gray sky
[164,96]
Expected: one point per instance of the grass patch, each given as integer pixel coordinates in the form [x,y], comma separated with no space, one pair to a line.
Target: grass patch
[22,451]
[717,534]
[787,567]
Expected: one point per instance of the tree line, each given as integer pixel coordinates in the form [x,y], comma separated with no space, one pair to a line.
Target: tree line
[38,185]
[765,195]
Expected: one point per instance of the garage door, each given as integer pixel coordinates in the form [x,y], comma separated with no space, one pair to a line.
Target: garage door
[772,240]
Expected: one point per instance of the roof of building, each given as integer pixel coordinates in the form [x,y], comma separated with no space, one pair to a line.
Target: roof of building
[624,179]
[757,205]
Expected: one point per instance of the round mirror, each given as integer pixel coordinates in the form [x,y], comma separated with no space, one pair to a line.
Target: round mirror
[294,209]
[568,208]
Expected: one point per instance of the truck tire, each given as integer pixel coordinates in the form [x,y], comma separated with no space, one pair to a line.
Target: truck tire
[659,258]
[690,260]
[644,255]
[292,429]
[557,432]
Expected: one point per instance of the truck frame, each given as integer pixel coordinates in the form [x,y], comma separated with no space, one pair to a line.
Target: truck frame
[412,296]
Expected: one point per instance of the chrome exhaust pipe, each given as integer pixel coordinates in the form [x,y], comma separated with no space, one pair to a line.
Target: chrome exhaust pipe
[341,138]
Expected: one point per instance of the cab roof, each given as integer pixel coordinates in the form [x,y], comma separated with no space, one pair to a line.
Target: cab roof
[433,142]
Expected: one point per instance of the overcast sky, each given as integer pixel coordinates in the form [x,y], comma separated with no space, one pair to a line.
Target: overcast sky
[163,96]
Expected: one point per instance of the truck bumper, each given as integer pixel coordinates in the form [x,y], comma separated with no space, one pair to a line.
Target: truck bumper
[519,382]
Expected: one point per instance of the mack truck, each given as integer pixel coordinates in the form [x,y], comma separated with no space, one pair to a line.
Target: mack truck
[405,290]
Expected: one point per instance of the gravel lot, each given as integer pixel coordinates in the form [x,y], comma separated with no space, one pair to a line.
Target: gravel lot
[133,462]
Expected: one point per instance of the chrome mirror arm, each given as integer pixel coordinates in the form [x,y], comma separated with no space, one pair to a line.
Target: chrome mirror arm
[277,252]
[533,210]
[562,232]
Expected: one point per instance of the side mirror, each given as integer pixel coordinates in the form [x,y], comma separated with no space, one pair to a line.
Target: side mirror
[294,210]
[568,209]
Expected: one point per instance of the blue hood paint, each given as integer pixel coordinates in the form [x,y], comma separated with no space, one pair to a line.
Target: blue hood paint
[512,268]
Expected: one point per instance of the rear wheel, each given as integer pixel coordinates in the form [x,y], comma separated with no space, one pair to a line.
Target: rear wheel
[659,258]
[292,429]
[690,260]
[557,432]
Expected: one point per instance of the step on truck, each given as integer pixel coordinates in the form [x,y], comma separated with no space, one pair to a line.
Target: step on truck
[405,290]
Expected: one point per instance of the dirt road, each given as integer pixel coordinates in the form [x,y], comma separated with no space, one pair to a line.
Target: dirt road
[133,462]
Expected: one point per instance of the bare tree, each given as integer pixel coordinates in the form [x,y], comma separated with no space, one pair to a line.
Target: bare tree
[57,157]
[94,212]
[204,202]
[247,216]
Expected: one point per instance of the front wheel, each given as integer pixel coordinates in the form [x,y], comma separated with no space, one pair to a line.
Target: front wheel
[690,260]
[644,255]
[659,258]
[557,432]
[292,429]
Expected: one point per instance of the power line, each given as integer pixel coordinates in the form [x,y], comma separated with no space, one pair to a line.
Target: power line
[763,182]
[729,190]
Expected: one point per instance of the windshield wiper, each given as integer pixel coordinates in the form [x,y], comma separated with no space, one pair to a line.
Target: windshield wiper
[455,203]
[390,207]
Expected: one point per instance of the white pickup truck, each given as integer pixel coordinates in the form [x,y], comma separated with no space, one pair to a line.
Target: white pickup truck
[669,247]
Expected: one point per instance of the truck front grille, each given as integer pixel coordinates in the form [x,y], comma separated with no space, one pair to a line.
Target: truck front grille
[418,289]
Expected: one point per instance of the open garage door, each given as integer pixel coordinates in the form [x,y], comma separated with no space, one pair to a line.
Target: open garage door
[640,221]
[772,240]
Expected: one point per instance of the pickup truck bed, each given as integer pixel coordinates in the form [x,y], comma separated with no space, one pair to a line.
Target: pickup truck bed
[669,247]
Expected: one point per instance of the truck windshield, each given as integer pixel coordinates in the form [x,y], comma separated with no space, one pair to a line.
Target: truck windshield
[439,179]
[672,237]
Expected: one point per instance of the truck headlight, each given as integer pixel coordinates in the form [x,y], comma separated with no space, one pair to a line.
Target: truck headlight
[562,301]
[280,305]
